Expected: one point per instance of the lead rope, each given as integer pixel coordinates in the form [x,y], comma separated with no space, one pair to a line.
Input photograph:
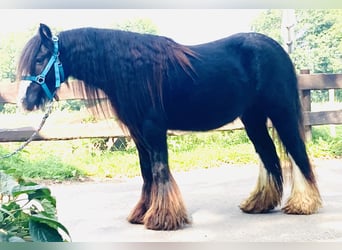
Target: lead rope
[46,115]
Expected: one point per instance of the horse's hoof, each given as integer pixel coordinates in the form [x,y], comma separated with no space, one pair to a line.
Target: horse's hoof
[265,197]
[301,206]
[136,219]
[251,206]
[156,222]
[304,199]
[138,213]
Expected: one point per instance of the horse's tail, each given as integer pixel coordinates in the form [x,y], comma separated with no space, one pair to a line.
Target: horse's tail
[300,116]
[286,162]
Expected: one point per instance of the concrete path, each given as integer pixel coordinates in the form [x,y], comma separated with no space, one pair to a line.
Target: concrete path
[97,211]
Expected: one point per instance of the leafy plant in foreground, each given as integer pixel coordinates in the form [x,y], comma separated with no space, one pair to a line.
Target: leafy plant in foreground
[28,213]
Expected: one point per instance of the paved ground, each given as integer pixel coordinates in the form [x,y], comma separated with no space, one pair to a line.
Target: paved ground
[97,211]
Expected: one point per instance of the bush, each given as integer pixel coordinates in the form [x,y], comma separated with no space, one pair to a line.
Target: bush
[323,145]
[28,213]
[71,105]
[8,108]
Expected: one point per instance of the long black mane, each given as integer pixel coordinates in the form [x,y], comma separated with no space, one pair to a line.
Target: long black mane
[128,67]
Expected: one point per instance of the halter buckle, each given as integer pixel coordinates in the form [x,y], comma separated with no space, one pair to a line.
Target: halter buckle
[40,79]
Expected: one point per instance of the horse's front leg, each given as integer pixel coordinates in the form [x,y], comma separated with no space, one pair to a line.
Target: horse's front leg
[165,208]
[138,213]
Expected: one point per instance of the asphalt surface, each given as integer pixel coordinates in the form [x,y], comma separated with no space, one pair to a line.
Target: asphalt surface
[97,211]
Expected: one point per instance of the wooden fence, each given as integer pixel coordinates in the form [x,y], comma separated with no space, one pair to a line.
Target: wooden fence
[19,127]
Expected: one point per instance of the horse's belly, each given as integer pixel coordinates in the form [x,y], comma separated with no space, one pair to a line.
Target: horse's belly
[201,119]
[208,104]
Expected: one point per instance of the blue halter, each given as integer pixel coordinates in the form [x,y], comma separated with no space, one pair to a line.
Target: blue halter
[59,72]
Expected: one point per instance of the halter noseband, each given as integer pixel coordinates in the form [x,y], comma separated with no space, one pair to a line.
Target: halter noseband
[59,72]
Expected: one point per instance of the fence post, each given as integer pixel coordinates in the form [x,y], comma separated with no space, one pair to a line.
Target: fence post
[306,104]
[331,104]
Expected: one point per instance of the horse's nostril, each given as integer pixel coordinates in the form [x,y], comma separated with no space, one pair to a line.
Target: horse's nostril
[28,107]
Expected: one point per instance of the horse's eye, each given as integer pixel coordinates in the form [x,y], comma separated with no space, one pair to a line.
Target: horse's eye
[40,61]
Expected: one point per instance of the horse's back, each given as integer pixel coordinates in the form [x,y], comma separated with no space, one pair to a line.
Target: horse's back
[230,75]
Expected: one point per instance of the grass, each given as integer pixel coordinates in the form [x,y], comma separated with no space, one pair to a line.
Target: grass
[323,145]
[77,159]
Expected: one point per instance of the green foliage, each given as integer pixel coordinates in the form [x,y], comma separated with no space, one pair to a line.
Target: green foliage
[11,45]
[138,25]
[111,144]
[38,162]
[28,213]
[8,108]
[196,140]
[269,23]
[319,40]
[323,145]
[212,149]
[71,105]
[80,159]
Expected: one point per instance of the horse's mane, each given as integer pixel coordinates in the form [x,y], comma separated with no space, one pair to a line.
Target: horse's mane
[129,67]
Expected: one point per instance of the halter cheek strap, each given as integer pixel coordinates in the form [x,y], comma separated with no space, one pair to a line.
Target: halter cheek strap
[59,72]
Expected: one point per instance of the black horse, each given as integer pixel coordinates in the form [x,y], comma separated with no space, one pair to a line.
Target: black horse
[155,84]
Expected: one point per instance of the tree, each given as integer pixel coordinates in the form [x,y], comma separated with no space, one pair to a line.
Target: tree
[269,23]
[8,53]
[11,45]
[319,40]
[138,25]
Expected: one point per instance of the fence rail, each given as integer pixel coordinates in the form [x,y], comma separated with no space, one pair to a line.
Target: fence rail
[11,130]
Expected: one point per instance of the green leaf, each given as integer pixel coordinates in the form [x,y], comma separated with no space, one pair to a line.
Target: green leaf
[17,224]
[34,191]
[49,208]
[30,190]
[50,222]
[43,232]
[11,171]
[43,194]
[10,206]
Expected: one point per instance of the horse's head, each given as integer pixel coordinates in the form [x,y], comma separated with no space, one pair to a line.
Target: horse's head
[39,70]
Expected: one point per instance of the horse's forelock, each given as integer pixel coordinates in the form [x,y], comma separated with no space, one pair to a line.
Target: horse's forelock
[28,55]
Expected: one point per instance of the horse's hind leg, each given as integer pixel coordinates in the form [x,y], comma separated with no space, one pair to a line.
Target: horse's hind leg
[305,197]
[268,191]
[161,206]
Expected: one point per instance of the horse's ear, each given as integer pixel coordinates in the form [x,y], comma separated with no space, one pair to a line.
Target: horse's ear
[45,34]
